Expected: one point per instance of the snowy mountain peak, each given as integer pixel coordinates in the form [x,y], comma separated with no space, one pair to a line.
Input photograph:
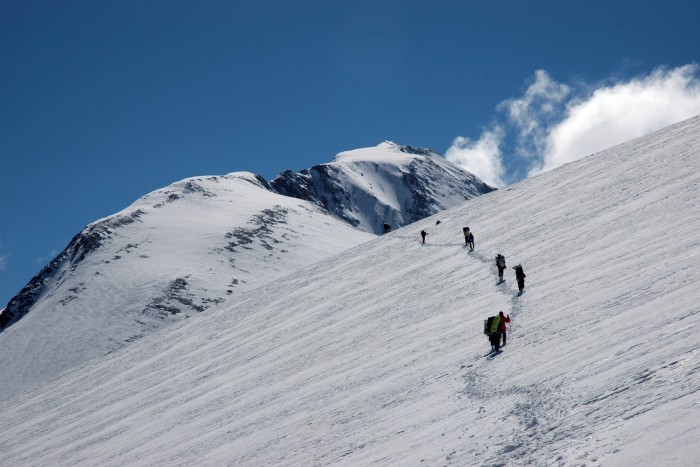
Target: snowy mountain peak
[385,151]
[387,183]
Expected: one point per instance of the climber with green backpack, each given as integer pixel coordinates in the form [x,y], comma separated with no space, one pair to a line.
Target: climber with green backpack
[495,328]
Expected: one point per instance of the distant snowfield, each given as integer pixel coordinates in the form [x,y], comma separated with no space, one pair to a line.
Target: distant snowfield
[376,356]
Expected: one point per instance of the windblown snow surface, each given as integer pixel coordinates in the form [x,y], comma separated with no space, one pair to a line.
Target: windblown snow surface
[376,356]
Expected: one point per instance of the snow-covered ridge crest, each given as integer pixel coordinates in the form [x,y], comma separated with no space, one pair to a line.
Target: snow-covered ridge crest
[250,177]
[387,150]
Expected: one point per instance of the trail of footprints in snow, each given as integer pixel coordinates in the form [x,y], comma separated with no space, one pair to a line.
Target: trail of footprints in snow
[540,410]
[540,414]
[515,297]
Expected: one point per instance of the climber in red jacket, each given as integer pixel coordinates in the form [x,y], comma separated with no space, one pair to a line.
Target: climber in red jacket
[504,319]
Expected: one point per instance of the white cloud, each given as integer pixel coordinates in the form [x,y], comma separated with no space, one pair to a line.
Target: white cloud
[532,113]
[554,123]
[620,112]
[481,157]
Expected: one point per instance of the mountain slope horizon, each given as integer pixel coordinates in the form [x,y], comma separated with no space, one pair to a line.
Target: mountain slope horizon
[376,355]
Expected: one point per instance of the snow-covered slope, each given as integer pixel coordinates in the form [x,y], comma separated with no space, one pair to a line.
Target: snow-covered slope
[376,355]
[387,183]
[200,243]
[178,251]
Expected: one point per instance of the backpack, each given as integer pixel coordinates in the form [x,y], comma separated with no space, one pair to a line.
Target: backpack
[492,325]
[496,325]
[487,325]
[501,261]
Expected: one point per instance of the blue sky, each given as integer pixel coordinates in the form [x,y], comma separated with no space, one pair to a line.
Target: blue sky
[104,101]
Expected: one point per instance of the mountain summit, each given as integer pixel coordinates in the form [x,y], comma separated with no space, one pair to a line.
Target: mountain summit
[387,183]
[206,241]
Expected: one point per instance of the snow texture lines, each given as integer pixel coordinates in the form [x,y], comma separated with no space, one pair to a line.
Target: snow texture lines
[530,417]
